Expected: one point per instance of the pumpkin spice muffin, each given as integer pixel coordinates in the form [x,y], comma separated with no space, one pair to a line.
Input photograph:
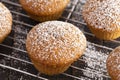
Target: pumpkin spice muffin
[5,22]
[103,18]
[44,10]
[54,45]
[113,64]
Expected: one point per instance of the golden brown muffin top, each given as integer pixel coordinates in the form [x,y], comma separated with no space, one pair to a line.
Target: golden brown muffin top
[55,42]
[43,7]
[113,64]
[5,20]
[102,14]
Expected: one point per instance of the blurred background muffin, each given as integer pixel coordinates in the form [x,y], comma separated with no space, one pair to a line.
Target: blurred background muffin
[5,22]
[103,18]
[113,64]
[44,10]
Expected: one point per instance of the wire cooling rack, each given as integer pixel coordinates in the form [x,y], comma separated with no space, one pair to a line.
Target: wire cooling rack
[16,65]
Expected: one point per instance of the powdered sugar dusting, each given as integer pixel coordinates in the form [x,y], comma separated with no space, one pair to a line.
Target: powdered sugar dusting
[95,60]
[103,14]
[113,63]
[36,3]
[55,40]
[43,5]
[5,20]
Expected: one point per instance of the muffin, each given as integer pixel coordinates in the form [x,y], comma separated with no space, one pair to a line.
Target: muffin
[103,18]
[113,64]
[5,22]
[44,10]
[54,45]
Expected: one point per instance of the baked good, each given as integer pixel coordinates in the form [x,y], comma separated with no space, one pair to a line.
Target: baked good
[5,22]
[54,45]
[113,64]
[103,18]
[44,10]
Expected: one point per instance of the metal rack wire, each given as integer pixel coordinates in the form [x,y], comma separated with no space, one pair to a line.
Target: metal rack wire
[15,63]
